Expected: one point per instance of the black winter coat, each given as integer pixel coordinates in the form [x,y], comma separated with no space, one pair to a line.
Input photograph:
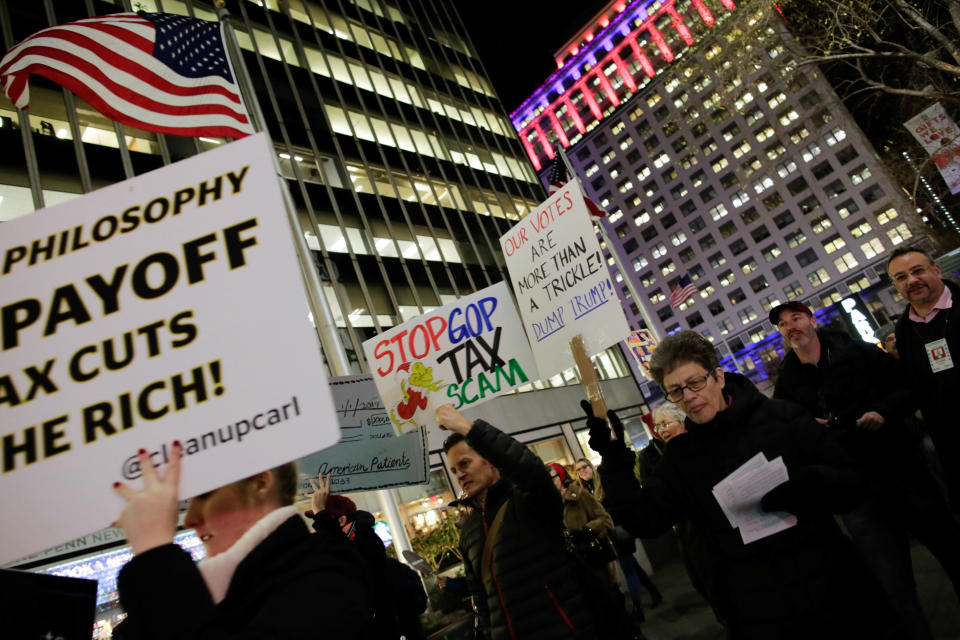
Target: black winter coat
[851,378]
[370,546]
[536,594]
[800,583]
[291,585]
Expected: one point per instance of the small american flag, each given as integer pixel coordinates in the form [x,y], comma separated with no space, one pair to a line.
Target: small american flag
[682,292]
[154,71]
[558,178]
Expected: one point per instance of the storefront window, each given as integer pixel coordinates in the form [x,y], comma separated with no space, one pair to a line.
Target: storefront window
[552,450]
[423,506]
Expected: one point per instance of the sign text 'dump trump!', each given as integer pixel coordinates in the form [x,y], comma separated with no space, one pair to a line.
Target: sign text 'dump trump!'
[561,281]
[166,307]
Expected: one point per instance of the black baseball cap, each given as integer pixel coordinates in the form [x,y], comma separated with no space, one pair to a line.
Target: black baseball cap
[788,306]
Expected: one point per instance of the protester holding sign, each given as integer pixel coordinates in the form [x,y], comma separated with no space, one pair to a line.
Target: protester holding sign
[263,572]
[523,581]
[357,526]
[783,568]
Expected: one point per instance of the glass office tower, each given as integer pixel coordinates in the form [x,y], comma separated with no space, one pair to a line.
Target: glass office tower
[720,158]
[402,163]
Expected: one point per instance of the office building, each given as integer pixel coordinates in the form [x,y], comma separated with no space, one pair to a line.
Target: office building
[754,180]
[403,166]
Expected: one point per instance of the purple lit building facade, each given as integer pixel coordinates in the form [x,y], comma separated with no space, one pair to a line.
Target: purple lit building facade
[757,184]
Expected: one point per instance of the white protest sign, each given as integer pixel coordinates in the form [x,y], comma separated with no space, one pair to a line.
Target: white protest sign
[561,281]
[169,306]
[369,455]
[939,136]
[463,353]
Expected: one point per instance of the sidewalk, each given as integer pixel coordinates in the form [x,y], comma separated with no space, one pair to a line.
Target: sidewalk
[685,616]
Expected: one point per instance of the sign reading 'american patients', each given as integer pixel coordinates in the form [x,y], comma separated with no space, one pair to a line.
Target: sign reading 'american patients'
[561,281]
[166,307]
[369,455]
[463,353]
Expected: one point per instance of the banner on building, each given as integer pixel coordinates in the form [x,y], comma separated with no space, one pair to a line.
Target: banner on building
[369,455]
[463,353]
[939,136]
[166,307]
[642,345]
[561,281]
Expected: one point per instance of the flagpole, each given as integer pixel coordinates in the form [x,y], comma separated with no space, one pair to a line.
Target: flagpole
[651,327]
[323,319]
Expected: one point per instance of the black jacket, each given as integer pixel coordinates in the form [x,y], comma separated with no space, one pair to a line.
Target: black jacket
[409,598]
[536,593]
[934,391]
[291,585]
[371,549]
[851,378]
[802,582]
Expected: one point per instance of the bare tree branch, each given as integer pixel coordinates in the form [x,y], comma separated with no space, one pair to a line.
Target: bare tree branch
[935,33]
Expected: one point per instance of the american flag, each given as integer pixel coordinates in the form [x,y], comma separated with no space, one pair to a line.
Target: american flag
[154,71]
[682,292]
[558,178]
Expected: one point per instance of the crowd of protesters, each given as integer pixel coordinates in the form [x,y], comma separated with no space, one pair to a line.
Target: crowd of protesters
[548,550]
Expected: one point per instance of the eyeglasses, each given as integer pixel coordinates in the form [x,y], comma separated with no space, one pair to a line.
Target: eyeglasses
[916,272]
[662,426]
[675,394]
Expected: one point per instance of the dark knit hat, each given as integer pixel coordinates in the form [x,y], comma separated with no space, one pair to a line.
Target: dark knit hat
[788,306]
[341,506]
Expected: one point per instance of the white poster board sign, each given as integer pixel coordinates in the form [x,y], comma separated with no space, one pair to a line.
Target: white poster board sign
[166,307]
[561,281]
[369,455]
[939,136]
[463,353]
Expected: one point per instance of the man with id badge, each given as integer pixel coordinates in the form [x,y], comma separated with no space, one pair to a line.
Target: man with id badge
[928,339]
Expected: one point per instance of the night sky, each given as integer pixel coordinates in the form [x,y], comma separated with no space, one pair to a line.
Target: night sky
[516,40]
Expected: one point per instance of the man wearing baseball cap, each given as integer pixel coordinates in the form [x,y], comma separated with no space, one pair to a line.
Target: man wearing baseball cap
[852,388]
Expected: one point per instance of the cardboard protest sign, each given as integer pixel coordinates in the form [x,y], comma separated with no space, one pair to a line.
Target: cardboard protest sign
[370,455]
[561,281]
[169,306]
[463,353]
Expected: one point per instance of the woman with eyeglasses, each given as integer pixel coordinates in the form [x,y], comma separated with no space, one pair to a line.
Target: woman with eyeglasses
[803,581]
[589,478]
[667,423]
[587,527]
[584,517]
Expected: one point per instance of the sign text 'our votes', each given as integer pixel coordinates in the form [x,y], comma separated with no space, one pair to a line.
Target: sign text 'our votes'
[557,269]
[88,299]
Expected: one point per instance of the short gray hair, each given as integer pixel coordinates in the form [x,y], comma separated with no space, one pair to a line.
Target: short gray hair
[671,409]
[686,346]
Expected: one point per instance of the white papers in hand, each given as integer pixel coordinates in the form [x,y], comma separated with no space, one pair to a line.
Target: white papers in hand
[739,497]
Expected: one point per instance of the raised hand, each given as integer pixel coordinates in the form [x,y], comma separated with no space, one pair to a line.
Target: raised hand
[601,439]
[452,420]
[318,499]
[150,517]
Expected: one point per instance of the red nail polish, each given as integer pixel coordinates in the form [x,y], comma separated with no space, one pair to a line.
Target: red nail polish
[177,444]
[142,451]
[116,484]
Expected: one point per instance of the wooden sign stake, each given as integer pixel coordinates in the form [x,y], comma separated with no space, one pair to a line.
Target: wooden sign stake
[588,377]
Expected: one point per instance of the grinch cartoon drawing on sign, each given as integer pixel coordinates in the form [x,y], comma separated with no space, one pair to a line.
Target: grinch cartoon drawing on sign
[417,384]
